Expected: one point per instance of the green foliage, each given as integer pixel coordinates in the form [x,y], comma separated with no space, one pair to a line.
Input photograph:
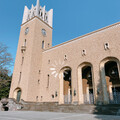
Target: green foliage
[5,81]
[5,63]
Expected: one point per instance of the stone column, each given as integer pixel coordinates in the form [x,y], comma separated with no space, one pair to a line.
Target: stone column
[80,87]
[118,66]
[104,86]
[74,83]
[61,97]
[97,85]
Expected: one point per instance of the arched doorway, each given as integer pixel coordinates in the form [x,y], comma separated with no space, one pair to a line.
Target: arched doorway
[67,92]
[87,85]
[110,72]
[17,94]
[65,86]
[112,81]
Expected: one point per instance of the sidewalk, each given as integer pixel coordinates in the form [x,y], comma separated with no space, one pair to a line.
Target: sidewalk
[30,115]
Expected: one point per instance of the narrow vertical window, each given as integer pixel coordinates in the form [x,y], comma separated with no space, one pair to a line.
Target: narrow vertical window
[22,60]
[18,97]
[48,81]
[48,61]
[36,98]
[39,71]
[41,14]
[20,77]
[25,42]
[38,81]
[42,44]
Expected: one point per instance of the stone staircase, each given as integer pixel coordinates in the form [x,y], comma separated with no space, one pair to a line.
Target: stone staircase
[71,108]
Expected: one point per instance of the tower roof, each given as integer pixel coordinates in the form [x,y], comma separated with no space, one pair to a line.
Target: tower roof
[39,11]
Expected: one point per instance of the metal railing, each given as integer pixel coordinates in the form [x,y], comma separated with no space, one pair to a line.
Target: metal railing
[88,98]
[67,99]
[114,98]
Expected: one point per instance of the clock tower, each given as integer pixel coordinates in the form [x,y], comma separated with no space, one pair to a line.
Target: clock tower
[35,37]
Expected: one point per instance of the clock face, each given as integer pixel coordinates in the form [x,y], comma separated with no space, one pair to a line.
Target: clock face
[44,32]
[26,31]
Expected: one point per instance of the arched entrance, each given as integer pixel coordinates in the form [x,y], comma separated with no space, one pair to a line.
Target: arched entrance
[17,94]
[65,86]
[110,80]
[85,84]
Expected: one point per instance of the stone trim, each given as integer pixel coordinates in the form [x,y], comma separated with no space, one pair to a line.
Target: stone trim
[84,36]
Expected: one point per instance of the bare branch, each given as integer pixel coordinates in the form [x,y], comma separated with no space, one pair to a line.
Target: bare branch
[5,57]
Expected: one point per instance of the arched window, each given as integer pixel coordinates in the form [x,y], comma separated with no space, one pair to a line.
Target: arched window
[65,57]
[25,42]
[42,44]
[45,17]
[18,95]
[83,52]
[40,13]
[106,46]
[48,80]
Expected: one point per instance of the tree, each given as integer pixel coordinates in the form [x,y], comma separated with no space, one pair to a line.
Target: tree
[5,79]
[5,57]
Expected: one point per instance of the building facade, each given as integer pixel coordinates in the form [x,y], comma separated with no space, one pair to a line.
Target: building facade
[84,70]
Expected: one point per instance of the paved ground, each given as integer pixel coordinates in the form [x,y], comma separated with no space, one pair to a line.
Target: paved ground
[52,116]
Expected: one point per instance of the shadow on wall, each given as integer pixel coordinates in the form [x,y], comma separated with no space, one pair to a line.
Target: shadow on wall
[102,109]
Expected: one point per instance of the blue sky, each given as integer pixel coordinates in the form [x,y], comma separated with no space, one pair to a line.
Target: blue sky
[72,18]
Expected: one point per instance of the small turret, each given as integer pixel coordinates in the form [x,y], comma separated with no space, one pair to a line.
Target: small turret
[37,8]
[32,11]
[25,16]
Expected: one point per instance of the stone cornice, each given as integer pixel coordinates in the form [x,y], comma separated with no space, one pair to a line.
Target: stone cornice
[39,19]
[84,36]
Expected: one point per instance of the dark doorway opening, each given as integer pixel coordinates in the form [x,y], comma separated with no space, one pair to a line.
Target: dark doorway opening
[67,86]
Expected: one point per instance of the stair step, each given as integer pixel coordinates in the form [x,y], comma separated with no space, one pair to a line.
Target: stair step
[70,108]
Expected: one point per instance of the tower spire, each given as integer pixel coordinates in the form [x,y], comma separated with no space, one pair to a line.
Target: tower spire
[32,6]
[37,7]
[38,2]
